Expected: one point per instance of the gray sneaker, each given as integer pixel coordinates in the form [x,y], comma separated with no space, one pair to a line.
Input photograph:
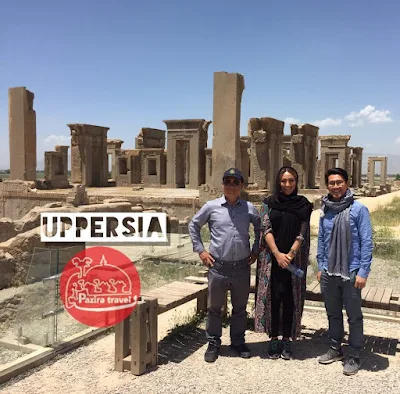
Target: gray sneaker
[351,366]
[331,356]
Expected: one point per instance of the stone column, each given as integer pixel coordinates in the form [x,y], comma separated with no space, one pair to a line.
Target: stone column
[371,171]
[266,146]
[228,90]
[307,149]
[22,134]
[245,158]
[112,146]
[89,159]
[384,171]
[208,154]
[63,149]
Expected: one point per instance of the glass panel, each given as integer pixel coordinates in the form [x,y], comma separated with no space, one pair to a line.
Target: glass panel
[23,307]
[66,325]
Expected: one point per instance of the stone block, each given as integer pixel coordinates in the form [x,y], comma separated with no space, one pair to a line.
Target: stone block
[7,269]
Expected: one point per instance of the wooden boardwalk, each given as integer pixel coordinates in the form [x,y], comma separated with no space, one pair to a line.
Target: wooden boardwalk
[372,297]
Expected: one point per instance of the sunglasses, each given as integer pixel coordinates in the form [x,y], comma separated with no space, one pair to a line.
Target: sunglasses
[333,183]
[227,182]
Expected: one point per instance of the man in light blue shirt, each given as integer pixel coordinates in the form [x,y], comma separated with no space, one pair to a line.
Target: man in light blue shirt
[229,260]
[344,262]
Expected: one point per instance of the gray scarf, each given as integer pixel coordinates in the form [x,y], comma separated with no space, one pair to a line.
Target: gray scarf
[340,242]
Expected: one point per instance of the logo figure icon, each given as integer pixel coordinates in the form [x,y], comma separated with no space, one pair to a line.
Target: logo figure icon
[100,286]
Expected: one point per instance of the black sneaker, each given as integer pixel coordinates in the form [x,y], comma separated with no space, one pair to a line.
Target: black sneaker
[331,356]
[242,350]
[351,366]
[211,353]
[287,350]
[274,351]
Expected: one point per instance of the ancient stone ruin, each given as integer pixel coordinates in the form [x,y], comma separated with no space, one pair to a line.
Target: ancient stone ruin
[371,170]
[89,159]
[22,134]
[176,158]
[113,145]
[266,151]
[187,143]
[56,168]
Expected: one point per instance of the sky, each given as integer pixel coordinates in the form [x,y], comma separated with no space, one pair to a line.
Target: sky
[130,64]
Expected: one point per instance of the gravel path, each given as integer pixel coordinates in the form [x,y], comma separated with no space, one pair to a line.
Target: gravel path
[183,370]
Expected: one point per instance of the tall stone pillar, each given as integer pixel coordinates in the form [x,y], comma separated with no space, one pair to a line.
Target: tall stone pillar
[89,159]
[112,146]
[228,90]
[22,134]
[245,157]
[265,161]
[306,151]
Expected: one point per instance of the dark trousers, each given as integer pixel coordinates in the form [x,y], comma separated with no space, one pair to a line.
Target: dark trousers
[284,297]
[336,293]
[223,276]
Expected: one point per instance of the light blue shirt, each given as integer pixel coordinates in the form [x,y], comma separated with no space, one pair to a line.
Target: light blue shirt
[360,257]
[229,229]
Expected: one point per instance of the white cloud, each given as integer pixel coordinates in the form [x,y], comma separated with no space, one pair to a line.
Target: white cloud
[291,120]
[368,114]
[328,122]
[397,140]
[358,122]
[57,140]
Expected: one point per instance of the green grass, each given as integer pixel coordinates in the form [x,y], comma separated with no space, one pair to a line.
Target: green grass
[388,250]
[188,325]
[387,216]
[386,243]
[154,274]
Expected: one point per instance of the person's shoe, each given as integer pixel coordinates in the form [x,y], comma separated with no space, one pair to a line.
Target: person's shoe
[211,353]
[351,366]
[274,351]
[331,356]
[242,350]
[287,350]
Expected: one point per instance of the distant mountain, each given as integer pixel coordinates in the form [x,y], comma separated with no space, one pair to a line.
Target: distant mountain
[393,162]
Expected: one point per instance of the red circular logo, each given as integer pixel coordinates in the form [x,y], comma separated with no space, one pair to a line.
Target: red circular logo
[100,286]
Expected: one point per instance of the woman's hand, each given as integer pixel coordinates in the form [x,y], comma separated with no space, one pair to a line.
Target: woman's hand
[282,259]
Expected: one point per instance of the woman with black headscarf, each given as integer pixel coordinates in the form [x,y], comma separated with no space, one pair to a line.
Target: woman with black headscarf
[285,239]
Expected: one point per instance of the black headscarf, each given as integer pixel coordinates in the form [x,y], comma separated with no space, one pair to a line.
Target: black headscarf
[293,203]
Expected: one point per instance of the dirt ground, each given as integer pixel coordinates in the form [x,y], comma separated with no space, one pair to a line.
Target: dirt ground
[182,368]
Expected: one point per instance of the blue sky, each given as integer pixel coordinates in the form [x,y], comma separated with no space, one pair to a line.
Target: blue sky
[130,64]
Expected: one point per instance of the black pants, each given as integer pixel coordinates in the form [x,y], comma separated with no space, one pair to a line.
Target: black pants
[281,294]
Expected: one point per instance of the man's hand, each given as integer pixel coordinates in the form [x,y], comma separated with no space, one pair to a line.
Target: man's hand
[360,282]
[319,276]
[282,259]
[252,258]
[206,258]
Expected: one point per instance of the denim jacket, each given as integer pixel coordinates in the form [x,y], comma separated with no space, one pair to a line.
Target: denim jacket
[360,257]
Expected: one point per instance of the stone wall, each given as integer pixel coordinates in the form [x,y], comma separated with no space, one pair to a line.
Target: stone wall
[9,307]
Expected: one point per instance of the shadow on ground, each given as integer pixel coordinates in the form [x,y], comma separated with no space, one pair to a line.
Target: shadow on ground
[181,346]
[314,343]
[311,345]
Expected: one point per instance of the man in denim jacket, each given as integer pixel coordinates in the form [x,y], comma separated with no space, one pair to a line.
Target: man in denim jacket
[344,261]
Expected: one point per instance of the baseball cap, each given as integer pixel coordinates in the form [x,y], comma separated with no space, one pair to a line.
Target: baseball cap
[234,172]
